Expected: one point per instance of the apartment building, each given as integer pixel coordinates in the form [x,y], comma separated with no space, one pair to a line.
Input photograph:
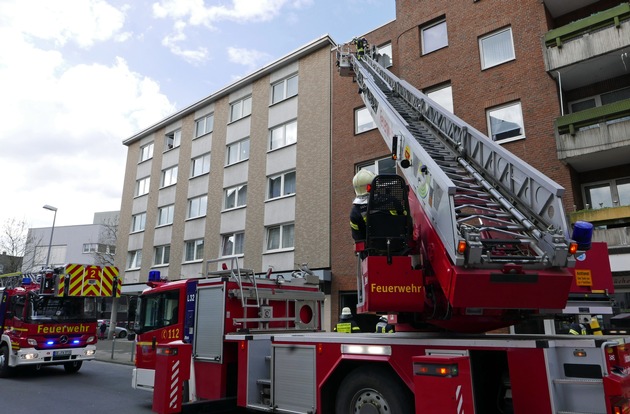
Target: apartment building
[547,79]
[242,176]
[89,244]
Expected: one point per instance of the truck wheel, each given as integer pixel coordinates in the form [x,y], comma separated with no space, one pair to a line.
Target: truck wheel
[72,367]
[372,390]
[5,369]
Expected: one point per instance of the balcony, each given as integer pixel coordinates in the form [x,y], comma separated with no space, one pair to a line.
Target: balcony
[595,138]
[561,7]
[589,50]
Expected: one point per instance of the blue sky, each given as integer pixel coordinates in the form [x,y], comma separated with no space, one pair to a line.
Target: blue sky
[77,77]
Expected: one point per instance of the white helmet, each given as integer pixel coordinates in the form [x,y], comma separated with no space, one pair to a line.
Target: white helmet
[361,181]
[346,313]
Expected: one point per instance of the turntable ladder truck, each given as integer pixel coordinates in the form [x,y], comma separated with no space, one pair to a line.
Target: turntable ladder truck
[468,240]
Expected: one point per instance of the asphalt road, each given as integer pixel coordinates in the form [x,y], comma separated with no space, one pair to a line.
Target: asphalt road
[98,388]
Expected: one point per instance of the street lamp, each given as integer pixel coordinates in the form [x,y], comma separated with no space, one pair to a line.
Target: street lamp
[51,208]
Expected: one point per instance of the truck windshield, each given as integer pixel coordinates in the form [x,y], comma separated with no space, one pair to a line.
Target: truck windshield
[156,311]
[49,309]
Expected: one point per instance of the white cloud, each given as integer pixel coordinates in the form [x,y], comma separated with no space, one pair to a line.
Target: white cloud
[63,123]
[196,13]
[247,57]
[83,22]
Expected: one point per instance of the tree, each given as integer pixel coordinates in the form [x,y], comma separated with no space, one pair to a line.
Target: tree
[104,254]
[18,244]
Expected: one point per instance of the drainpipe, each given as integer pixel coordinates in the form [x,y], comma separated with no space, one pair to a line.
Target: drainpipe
[560,86]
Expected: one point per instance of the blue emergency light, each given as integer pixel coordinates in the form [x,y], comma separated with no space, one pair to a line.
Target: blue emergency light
[154,276]
[26,281]
[582,234]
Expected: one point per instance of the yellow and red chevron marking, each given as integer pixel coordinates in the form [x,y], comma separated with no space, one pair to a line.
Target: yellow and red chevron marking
[75,271]
[110,273]
[92,281]
[61,285]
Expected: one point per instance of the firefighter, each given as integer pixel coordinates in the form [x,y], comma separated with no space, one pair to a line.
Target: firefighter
[358,214]
[383,326]
[361,45]
[346,323]
[577,328]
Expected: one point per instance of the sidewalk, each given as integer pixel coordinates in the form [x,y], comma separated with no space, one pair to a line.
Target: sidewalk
[119,351]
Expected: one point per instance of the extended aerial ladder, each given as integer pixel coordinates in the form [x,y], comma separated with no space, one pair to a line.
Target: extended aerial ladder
[492,228]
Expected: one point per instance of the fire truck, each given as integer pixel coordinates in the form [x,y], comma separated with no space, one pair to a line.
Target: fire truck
[49,318]
[466,241]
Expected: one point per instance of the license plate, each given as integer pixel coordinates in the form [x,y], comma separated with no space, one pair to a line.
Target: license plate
[62,353]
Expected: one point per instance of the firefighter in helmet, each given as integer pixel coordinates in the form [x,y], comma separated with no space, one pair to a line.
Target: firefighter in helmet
[577,328]
[383,325]
[361,45]
[358,214]
[346,323]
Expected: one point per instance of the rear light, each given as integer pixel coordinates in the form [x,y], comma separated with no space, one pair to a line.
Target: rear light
[621,407]
[436,370]
[167,351]
[573,247]
[461,246]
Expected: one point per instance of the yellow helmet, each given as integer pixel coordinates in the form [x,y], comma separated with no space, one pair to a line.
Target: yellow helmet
[361,181]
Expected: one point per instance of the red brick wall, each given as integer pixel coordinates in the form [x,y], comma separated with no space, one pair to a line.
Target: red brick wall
[523,79]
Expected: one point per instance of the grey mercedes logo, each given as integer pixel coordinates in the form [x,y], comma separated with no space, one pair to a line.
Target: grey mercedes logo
[63,339]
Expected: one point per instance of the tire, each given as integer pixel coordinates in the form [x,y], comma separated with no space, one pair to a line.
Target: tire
[121,334]
[373,390]
[72,367]
[5,370]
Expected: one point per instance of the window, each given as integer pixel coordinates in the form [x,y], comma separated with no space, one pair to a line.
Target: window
[90,247]
[239,151]
[142,186]
[173,139]
[434,37]
[200,165]
[496,48]
[197,206]
[281,185]
[194,250]
[204,125]
[612,193]
[505,122]
[165,215]
[284,89]
[283,135]
[599,100]
[240,109]
[232,244]
[443,95]
[385,55]
[169,176]
[363,120]
[146,152]
[134,259]
[280,237]
[138,222]
[235,196]
[382,166]
[162,255]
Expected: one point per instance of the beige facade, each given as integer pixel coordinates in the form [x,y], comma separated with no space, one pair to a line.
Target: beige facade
[228,166]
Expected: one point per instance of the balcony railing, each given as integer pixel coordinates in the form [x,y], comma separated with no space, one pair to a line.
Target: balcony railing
[610,17]
[570,124]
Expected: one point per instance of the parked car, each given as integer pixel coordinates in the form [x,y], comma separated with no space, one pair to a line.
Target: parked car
[121,332]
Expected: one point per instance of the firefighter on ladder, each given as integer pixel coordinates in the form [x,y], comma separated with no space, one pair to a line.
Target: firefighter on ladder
[361,45]
[358,214]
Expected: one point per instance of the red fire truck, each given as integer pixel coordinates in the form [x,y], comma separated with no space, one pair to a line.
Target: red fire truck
[466,240]
[49,318]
